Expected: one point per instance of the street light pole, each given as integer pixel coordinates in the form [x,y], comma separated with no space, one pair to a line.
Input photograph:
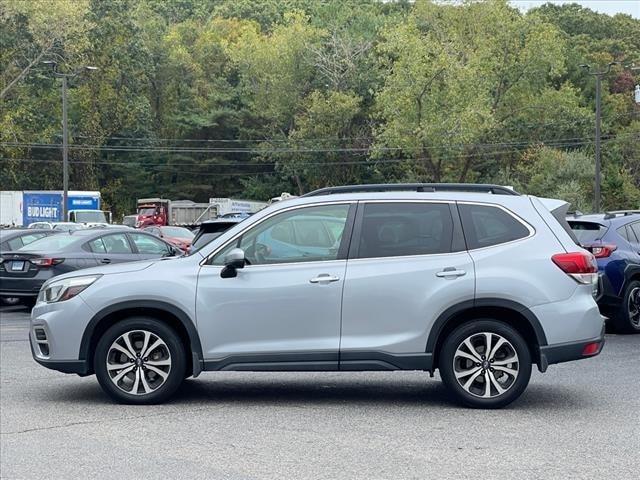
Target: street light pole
[599,75]
[65,132]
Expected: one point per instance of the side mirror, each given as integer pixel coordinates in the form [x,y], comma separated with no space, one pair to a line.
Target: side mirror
[232,262]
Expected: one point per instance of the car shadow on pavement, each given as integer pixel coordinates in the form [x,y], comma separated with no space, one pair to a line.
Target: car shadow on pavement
[283,391]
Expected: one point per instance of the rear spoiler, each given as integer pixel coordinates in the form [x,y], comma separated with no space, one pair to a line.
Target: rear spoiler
[559,209]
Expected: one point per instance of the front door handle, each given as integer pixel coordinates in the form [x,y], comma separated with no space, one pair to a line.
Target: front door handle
[105,260]
[450,272]
[324,278]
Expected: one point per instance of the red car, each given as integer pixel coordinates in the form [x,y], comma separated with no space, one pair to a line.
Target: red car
[179,236]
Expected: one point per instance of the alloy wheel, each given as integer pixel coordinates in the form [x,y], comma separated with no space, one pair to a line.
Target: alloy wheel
[633,306]
[486,365]
[138,362]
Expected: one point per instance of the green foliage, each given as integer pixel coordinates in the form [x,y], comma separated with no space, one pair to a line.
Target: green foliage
[203,98]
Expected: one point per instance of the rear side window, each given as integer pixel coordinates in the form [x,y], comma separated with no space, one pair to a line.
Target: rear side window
[486,225]
[587,231]
[401,229]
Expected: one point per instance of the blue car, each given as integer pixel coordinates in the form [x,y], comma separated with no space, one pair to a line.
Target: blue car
[614,239]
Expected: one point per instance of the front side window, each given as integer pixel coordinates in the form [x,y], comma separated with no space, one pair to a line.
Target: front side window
[486,225]
[116,243]
[302,235]
[149,245]
[402,229]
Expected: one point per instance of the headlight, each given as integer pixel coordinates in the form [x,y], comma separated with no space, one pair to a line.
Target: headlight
[61,290]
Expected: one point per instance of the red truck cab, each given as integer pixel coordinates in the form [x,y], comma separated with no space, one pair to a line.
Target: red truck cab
[152,212]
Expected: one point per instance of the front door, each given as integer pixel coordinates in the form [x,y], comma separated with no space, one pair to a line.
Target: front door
[282,310]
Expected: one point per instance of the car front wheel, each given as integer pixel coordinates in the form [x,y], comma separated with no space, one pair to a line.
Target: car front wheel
[485,364]
[140,361]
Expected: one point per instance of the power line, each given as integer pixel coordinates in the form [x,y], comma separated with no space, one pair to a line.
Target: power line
[302,164]
[126,148]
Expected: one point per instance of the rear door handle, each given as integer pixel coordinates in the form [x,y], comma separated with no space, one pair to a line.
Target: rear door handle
[105,260]
[324,278]
[450,272]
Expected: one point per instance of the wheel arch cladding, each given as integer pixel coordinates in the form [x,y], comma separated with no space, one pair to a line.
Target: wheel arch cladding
[165,312]
[512,313]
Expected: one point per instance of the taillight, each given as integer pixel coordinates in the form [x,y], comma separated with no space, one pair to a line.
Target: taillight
[581,266]
[601,250]
[46,262]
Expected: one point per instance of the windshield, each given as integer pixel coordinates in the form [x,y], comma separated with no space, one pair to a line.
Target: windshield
[147,211]
[178,232]
[587,231]
[50,244]
[90,216]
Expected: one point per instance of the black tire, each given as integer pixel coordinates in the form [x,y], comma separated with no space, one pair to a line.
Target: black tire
[623,320]
[176,356]
[516,384]
[29,302]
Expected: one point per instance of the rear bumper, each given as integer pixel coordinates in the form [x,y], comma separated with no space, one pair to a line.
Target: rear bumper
[22,287]
[568,352]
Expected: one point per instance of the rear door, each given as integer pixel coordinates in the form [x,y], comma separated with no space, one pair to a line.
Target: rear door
[407,265]
[112,248]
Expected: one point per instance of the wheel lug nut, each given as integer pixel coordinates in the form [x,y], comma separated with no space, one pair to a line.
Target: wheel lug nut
[477,364]
[137,354]
[131,360]
[483,357]
[146,359]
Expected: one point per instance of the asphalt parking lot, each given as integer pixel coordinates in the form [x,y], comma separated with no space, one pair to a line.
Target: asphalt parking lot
[579,420]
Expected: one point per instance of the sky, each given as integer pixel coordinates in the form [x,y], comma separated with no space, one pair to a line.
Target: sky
[610,7]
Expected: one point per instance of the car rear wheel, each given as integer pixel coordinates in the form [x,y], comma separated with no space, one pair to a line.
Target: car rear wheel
[485,364]
[627,319]
[140,361]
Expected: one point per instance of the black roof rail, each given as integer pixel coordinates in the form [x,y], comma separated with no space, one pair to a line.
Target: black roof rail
[613,213]
[417,187]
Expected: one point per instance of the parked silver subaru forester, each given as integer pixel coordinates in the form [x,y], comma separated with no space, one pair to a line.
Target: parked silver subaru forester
[477,281]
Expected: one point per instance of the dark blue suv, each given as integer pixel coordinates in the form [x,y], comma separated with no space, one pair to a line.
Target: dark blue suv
[614,239]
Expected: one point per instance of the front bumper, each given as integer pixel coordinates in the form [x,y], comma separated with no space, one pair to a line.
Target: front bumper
[80,367]
[570,351]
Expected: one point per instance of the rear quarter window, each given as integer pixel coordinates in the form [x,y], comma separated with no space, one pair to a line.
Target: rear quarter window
[587,231]
[485,226]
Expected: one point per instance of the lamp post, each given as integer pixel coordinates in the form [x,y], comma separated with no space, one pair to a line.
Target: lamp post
[65,131]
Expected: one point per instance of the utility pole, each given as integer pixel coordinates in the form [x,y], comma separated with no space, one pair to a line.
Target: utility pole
[65,153]
[599,75]
[65,132]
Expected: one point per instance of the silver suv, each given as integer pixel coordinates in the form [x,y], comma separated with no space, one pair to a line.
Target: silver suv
[477,281]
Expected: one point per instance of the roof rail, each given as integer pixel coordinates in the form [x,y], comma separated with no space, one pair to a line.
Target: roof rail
[614,213]
[416,187]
